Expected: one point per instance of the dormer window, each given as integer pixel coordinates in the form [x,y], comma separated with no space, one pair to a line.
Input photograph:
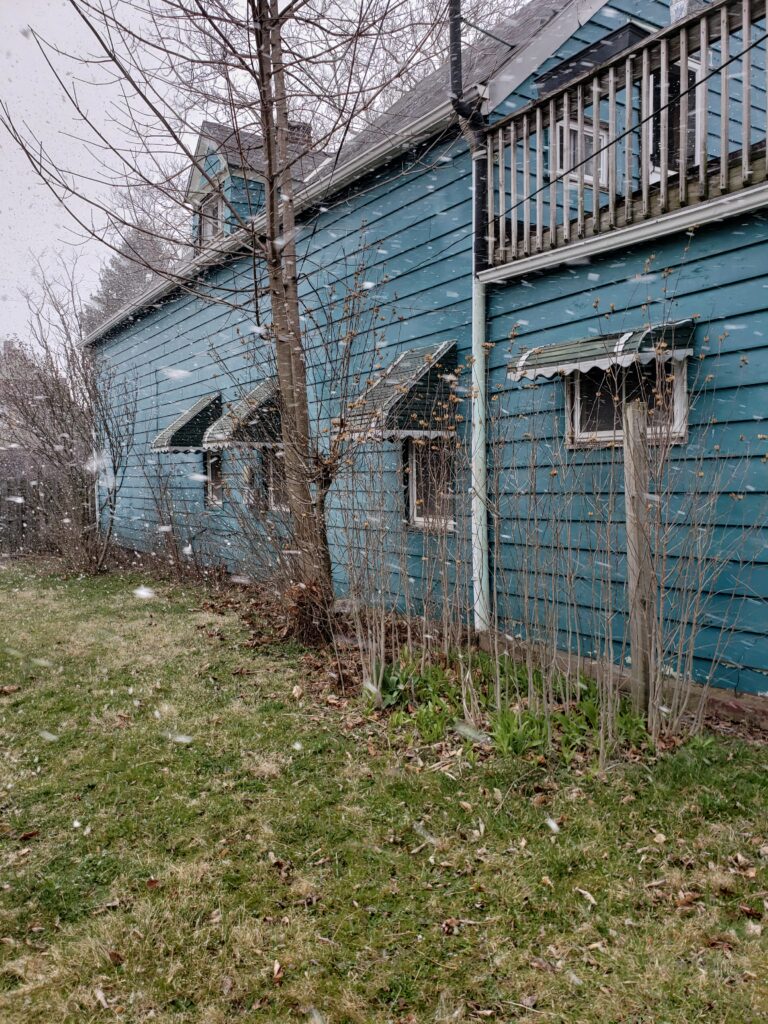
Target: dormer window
[210,221]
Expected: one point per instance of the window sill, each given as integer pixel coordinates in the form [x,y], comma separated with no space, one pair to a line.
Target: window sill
[617,441]
[432,525]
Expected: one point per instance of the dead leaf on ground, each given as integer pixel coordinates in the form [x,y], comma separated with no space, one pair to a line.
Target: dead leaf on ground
[283,867]
[587,896]
[747,911]
[540,964]
[687,899]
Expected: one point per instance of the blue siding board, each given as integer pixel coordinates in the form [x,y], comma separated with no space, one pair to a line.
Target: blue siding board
[720,277]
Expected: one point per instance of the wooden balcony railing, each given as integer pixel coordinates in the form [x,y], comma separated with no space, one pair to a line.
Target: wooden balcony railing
[677,120]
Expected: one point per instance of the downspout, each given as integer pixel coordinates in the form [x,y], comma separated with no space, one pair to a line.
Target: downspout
[472,126]
[479,454]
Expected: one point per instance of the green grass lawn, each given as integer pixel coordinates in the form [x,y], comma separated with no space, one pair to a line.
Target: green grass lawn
[185,836]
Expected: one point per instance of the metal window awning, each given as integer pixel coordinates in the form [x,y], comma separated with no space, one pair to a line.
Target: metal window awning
[410,398]
[186,432]
[253,420]
[666,341]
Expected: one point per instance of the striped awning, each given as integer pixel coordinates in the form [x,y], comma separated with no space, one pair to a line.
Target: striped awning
[666,341]
[185,433]
[410,398]
[252,420]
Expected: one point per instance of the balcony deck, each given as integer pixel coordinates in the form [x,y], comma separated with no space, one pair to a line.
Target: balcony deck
[605,151]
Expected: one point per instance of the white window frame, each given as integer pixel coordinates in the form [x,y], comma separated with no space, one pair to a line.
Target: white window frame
[272,452]
[250,485]
[214,490]
[421,521]
[563,152]
[677,433]
[215,202]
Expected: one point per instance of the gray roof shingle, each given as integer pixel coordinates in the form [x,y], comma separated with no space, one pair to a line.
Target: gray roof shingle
[480,62]
[245,149]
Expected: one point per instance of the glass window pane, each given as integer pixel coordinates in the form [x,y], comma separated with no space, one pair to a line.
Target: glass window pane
[274,473]
[214,484]
[600,401]
[653,383]
[432,474]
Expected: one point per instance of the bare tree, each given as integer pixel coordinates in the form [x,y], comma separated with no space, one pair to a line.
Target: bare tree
[73,417]
[139,259]
[257,68]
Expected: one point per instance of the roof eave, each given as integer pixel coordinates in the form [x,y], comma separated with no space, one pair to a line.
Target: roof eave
[316,189]
[541,47]
[511,74]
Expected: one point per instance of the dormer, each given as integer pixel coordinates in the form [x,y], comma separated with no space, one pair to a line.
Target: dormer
[226,182]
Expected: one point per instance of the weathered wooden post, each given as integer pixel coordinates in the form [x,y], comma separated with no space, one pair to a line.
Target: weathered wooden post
[640,575]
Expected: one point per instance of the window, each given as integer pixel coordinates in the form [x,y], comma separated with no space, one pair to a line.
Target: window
[275,484]
[266,490]
[429,468]
[214,480]
[250,488]
[568,151]
[596,400]
[675,87]
[210,219]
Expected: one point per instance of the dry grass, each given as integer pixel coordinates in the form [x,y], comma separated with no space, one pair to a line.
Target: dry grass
[198,845]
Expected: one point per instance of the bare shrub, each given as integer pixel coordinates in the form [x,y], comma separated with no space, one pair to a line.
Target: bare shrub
[74,419]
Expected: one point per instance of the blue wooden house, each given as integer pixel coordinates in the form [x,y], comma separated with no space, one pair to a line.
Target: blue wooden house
[604,241]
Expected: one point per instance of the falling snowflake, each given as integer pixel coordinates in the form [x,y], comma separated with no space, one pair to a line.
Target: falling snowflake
[174,372]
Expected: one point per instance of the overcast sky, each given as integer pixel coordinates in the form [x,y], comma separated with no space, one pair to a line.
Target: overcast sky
[32,224]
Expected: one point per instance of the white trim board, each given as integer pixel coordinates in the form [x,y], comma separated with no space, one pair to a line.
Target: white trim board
[710,212]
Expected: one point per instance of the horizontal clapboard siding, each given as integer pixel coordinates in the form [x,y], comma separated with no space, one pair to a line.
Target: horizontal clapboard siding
[554,501]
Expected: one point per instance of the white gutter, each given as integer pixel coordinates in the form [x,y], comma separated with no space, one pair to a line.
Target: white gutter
[315,191]
[521,64]
[689,217]
[479,443]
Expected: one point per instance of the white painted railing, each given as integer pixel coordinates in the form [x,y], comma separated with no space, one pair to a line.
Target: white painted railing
[676,120]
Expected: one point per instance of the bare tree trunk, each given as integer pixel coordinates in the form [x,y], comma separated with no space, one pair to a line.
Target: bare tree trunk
[307,513]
